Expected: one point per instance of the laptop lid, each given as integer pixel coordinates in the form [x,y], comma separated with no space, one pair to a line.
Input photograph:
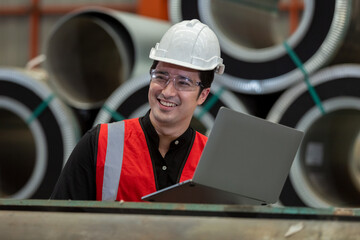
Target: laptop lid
[247,155]
[246,161]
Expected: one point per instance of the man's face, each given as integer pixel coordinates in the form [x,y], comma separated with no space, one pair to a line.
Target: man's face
[169,106]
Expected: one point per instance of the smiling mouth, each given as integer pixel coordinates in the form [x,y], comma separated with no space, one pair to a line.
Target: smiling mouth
[167,104]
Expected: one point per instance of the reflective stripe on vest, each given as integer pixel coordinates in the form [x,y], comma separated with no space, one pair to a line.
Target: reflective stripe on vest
[112,161]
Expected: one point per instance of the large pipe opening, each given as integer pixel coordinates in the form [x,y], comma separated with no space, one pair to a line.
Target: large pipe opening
[326,169]
[254,31]
[329,158]
[237,22]
[37,134]
[94,50]
[87,60]
[257,35]
[18,153]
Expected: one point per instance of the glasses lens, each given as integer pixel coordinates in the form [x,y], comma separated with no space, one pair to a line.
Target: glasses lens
[181,83]
[184,84]
[160,78]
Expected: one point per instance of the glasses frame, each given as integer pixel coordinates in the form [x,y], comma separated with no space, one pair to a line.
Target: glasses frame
[174,78]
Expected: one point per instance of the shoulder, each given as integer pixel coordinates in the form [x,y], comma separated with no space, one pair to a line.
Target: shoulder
[89,138]
[200,138]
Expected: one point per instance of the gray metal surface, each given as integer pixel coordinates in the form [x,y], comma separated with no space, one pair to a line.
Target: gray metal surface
[14,44]
[43,219]
[45,225]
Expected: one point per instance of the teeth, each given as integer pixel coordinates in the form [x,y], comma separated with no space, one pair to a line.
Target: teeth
[168,104]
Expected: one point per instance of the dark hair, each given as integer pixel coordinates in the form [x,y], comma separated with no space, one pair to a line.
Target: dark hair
[206,77]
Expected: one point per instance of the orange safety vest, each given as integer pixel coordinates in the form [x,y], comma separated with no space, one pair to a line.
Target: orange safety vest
[124,170]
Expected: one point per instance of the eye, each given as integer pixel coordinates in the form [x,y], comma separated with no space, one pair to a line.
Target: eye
[183,81]
[160,76]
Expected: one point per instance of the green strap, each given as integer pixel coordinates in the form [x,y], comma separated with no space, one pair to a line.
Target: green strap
[311,89]
[39,109]
[115,115]
[210,103]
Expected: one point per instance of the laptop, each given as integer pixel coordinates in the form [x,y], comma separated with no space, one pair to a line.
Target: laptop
[246,160]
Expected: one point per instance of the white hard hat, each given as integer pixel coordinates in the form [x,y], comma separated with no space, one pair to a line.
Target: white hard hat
[190,44]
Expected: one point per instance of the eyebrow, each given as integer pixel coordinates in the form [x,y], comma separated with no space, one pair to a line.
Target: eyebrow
[167,73]
[161,71]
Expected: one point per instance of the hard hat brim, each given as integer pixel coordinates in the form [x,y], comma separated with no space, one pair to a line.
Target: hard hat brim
[219,68]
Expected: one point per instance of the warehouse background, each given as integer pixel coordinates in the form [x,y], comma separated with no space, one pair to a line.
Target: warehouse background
[65,67]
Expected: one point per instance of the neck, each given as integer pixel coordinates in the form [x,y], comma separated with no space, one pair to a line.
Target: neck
[164,144]
[166,137]
[167,134]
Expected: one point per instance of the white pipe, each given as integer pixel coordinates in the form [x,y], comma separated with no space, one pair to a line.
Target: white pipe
[93,50]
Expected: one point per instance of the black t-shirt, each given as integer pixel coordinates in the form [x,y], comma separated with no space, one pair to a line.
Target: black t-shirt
[77,180]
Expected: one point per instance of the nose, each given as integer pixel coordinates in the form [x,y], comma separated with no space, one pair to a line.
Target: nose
[169,89]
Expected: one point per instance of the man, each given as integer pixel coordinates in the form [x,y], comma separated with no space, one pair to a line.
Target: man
[129,159]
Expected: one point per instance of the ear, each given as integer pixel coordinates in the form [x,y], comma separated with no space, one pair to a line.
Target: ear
[203,95]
